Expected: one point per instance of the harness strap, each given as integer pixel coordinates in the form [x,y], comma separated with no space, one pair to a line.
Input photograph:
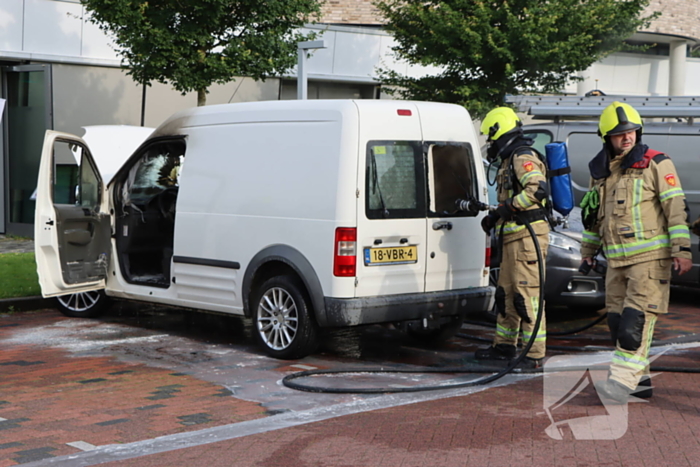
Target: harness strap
[531,216]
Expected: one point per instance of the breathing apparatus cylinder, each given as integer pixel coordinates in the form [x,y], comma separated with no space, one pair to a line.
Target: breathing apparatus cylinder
[559,175]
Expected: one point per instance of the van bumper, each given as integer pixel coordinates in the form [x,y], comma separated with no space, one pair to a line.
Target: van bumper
[404,307]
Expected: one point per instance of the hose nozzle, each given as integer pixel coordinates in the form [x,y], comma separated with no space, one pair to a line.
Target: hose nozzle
[472,205]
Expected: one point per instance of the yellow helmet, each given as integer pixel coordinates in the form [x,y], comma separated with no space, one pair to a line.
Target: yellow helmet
[498,122]
[619,118]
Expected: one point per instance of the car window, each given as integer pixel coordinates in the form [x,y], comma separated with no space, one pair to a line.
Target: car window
[541,139]
[451,176]
[491,172]
[156,170]
[76,180]
[66,168]
[394,182]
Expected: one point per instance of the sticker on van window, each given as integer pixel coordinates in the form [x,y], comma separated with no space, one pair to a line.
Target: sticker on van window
[379,150]
[671,179]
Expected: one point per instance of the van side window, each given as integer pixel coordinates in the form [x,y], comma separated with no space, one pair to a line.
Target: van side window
[66,170]
[156,170]
[451,176]
[394,180]
[541,138]
[89,192]
[76,180]
[582,148]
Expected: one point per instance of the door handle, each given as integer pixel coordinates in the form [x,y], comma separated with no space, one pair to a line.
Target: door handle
[442,225]
[50,222]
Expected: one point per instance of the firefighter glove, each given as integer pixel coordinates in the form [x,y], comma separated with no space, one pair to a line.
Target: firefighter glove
[589,208]
[696,227]
[489,222]
[505,210]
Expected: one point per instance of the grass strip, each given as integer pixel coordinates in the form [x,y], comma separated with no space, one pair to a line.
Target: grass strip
[18,275]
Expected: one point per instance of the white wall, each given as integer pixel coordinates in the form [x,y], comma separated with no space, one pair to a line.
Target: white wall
[56,31]
[635,74]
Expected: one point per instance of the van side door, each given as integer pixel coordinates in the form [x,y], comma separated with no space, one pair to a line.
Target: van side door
[72,225]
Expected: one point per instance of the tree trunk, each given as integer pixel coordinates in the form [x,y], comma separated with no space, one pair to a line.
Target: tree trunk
[201,97]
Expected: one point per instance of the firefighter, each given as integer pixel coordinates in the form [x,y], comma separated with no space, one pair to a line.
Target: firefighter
[641,225]
[522,195]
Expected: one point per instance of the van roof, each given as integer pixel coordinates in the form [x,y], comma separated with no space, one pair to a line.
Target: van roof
[287,110]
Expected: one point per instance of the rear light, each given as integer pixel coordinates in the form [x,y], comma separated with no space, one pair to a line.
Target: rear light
[345,253]
[404,112]
[487,260]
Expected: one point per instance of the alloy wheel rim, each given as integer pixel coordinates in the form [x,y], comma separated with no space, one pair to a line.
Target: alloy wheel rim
[278,318]
[80,302]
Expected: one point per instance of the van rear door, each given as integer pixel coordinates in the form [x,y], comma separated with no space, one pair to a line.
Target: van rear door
[391,219]
[72,224]
[456,244]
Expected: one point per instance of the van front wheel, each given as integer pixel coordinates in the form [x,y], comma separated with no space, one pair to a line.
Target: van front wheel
[83,304]
[283,322]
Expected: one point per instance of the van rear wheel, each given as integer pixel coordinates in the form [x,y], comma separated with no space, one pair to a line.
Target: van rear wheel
[283,322]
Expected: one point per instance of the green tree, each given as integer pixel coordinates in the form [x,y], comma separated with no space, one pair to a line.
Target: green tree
[485,49]
[192,44]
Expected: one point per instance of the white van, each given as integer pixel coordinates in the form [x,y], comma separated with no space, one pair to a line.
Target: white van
[296,214]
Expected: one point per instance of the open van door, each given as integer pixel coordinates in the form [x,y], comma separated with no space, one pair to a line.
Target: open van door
[72,226]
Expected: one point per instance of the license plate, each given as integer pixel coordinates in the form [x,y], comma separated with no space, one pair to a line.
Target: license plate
[391,255]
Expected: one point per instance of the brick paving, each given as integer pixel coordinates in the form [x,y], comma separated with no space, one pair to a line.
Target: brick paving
[50,400]
[53,404]
[502,426]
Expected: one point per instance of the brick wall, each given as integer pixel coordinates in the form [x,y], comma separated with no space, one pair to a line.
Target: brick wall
[350,12]
[681,17]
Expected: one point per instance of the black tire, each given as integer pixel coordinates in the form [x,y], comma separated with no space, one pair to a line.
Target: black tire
[82,305]
[434,337]
[282,320]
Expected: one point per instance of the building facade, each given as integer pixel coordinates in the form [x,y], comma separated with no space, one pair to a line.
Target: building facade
[58,71]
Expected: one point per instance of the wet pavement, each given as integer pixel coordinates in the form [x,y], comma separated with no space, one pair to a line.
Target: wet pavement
[146,385]
[152,386]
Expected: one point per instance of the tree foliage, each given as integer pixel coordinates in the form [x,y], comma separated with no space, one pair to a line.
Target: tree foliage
[192,44]
[486,49]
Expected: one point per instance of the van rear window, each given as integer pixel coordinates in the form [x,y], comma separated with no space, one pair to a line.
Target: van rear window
[452,176]
[394,184]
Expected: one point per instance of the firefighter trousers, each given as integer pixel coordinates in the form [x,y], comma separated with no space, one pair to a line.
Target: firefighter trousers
[635,296]
[518,291]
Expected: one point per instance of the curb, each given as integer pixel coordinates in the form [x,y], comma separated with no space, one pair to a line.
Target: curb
[25,304]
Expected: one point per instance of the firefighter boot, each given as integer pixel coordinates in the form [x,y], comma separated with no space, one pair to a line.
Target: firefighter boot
[531,363]
[613,391]
[644,389]
[496,352]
